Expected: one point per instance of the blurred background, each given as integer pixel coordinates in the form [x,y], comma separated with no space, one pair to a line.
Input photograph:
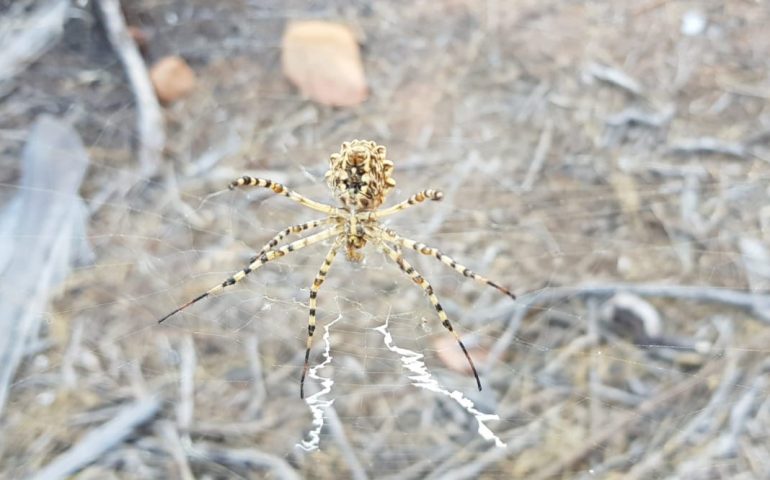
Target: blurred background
[606,161]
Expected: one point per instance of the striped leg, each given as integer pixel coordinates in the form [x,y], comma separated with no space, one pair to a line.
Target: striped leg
[419,280]
[247,181]
[294,229]
[317,282]
[392,236]
[413,200]
[255,264]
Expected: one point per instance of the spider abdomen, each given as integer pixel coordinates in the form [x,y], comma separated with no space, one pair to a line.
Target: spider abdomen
[360,175]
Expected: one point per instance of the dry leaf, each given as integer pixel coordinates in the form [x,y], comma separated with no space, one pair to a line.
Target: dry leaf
[453,357]
[324,61]
[172,79]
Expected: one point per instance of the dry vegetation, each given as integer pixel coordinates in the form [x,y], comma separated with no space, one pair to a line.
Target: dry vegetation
[585,150]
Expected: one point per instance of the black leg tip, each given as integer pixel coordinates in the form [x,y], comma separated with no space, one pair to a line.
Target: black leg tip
[167,316]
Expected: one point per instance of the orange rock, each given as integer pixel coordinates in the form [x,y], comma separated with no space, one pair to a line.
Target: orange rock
[324,61]
[454,358]
[172,78]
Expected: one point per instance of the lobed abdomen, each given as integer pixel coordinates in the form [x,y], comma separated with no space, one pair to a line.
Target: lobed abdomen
[360,175]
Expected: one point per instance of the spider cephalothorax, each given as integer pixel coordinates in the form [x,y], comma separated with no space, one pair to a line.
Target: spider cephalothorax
[360,177]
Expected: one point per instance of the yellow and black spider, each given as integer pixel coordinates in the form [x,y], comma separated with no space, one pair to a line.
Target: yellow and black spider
[360,177]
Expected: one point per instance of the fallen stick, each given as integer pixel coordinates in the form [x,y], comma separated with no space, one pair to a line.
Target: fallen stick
[709,145]
[538,158]
[100,440]
[245,458]
[25,39]
[357,471]
[149,121]
[737,298]
[756,303]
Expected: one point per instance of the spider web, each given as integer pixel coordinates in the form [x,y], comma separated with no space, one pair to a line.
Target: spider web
[635,348]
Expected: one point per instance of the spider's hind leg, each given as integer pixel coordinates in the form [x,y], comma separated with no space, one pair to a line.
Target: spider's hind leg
[317,282]
[392,236]
[280,189]
[420,280]
[256,263]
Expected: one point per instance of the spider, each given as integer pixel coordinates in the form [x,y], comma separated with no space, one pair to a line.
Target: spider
[360,177]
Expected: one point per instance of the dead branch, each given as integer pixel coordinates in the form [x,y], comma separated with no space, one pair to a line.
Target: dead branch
[31,37]
[245,458]
[150,123]
[101,440]
[755,303]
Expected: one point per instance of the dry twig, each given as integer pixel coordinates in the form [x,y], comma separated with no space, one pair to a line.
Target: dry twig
[245,459]
[100,440]
[736,298]
[709,145]
[31,37]
[150,123]
[616,77]
[538,159]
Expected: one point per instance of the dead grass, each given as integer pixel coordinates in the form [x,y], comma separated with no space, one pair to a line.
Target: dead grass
[650,151]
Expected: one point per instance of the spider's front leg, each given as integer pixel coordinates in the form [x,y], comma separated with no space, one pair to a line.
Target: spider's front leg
[418,197]
[280,189]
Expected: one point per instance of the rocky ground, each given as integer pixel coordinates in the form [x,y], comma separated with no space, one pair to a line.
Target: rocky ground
[607,161]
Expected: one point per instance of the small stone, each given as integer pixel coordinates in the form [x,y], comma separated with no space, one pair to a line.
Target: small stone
[693,23]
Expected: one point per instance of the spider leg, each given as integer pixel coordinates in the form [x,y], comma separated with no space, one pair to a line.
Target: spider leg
[294,229]
[258,262]
[418,197]
[317,282]
[392,236]
[247,181]
[420,280]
